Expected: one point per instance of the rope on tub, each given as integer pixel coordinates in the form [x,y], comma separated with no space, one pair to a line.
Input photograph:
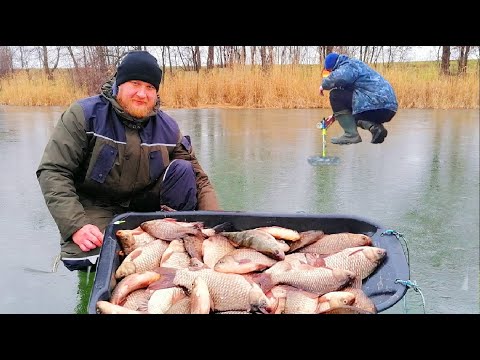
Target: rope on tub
[407,283]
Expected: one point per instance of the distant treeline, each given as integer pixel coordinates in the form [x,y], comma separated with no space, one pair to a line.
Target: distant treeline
[93,63]
[236,76]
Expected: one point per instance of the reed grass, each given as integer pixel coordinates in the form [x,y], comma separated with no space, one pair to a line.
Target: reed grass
[32,88]
[417,85]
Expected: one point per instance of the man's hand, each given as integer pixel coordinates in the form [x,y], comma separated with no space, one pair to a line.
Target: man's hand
[166,208]
[88,237]
[321,90]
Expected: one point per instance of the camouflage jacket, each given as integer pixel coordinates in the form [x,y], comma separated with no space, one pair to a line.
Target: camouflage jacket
[370,90]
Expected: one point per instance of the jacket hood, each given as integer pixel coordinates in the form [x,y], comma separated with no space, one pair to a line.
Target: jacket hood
[341,59]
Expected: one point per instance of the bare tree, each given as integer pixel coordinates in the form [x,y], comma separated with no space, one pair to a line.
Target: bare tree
[24,56]
[6,60]
[445,63]
[253,50]
[162,51]
[101,58]
[221,56]
[196,59]
[394,53]
[270,55]
[295,55]
[210,57]
[184,59]
[263,57]
[75,63]
[323,51]
[46,68]
[463,59]
[170,63]
[45,61]
[243,55]
[228,55]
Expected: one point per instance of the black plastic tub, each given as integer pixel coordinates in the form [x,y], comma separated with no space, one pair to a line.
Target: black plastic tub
[381,286]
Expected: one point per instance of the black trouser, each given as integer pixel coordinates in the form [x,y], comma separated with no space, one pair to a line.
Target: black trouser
[341,99]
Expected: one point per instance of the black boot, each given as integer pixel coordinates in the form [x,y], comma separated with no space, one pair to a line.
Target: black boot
[379,133]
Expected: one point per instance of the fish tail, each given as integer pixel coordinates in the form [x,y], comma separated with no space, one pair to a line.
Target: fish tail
[317,262]
[263,280]
[356,282]
[198,225]
[167,276]
[142,305]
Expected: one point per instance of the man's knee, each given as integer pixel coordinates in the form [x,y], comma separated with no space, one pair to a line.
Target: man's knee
[179,168]
[74,258]
[341,100]
[179,190]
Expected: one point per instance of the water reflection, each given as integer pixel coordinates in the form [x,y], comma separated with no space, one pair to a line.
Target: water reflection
[422,182]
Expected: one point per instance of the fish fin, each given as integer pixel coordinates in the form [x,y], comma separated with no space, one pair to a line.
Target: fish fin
[345,309]
[356,251]
[308,294]
[135,253]
[315,259]
[263,280]
[196,268]
[244,261]
[235,245]
[226,226]
[166,279]
[368,241]
[197,264]
[142,305]
[303,266]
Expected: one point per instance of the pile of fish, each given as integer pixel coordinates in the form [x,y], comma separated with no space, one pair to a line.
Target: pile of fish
[174,267]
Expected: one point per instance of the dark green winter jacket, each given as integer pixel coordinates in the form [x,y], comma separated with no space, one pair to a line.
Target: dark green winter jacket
[96,152]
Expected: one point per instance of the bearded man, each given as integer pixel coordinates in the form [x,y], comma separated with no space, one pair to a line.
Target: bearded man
[117,152]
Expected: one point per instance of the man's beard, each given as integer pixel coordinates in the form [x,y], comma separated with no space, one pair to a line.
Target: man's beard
[137,111]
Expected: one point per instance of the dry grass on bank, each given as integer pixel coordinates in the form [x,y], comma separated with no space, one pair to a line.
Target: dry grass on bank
[417,85]
[34,89]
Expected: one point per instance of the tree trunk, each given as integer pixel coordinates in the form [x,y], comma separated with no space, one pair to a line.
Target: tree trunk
[463,59]
[6,60]
[253,50]
[170,65]
[210,58]
[445,64]
[163,63]
[197,62]
[46,69]
[323,51]
[263,57]
[70,51]
[243,57]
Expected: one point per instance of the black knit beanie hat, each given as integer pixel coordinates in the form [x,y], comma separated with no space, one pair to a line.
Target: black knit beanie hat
[139,65]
